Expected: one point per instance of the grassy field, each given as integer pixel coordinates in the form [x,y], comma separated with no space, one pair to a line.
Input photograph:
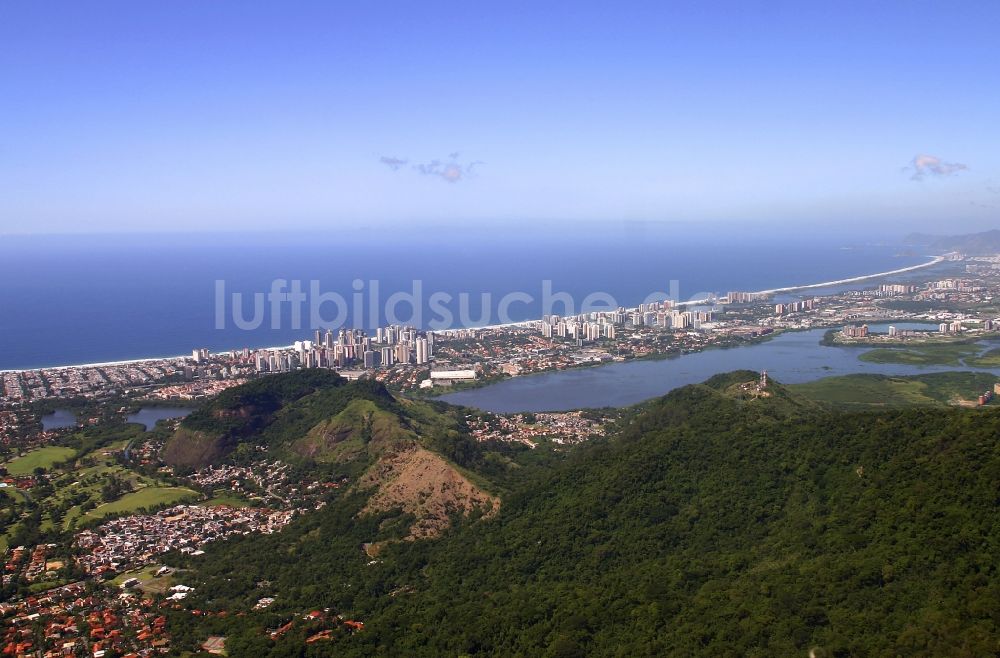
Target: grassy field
[148,581]
[16,494]
[148,497]
[942,354]
[43,457]
[223,497]
[84,485]
[990,359]
[73,516]
[70,501]
[935,389]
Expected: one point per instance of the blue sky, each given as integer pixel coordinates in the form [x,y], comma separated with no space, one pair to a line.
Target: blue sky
[180,116]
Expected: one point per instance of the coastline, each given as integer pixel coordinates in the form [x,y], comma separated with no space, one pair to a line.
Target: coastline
[711,300]
[829,284]
[865,277]
[522,323]
[132,362]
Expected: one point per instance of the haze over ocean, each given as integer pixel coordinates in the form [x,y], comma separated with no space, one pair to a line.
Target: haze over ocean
[93,299]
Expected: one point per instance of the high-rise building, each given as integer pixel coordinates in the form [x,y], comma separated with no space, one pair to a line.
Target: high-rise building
[852,331]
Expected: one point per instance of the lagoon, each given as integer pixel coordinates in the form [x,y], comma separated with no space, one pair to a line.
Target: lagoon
[149,416]
[791,358]
[58,419]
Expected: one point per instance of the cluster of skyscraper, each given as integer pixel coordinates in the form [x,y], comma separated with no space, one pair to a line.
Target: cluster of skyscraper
[795,307]
[743,297]
[351,347]
[854,331]
[956,327]
[602,324]
[889,289]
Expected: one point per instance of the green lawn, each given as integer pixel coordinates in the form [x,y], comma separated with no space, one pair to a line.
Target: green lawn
[72,517]
[223,497]
[148,581]
[934,389]
[86,482]
[45,585]
[148,497]
[78,488]
[16,494]
[43,457]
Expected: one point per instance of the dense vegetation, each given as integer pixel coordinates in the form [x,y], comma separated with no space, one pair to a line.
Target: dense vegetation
[945,354]
[711,524]
[242,413]
[879,391]
[269,411]
[314,418]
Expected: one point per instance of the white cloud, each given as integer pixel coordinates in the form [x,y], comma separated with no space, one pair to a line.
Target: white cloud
[451,171]
[392,162]
[924,165]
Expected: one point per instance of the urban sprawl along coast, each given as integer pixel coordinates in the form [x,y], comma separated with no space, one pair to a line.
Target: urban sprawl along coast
[407,358]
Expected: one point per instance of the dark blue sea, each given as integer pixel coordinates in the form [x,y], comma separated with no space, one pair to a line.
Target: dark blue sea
[71,299]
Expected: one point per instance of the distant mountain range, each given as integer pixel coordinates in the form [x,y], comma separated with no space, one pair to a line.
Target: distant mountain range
[987,242]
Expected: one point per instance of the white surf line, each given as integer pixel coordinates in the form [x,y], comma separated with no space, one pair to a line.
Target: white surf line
[863,277]
[824,284]
[106,364]
[712,300]
[134,362]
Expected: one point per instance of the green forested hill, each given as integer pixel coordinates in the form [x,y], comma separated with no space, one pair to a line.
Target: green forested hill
[710,525]
[306,414]
[263,410]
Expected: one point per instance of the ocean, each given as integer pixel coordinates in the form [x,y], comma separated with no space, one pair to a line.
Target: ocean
[72,299]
